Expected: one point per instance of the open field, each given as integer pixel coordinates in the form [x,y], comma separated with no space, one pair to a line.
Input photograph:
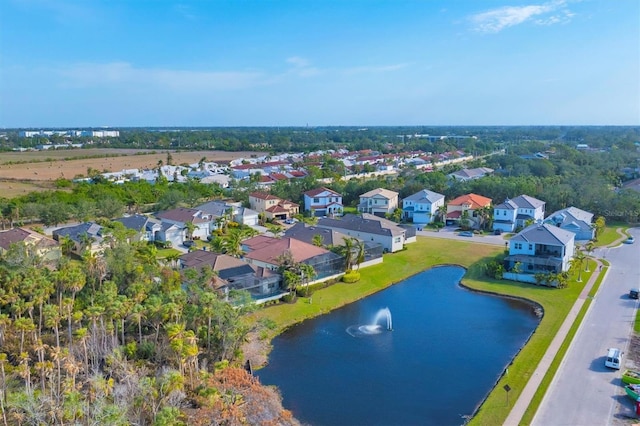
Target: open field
[60,164]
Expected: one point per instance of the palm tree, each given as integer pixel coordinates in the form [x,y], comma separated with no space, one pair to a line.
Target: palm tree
[67,245]
[442,213]
[276,230]
[190,228]
[317,240]
[360,256]
[346,250]
[589,247]
[577,262]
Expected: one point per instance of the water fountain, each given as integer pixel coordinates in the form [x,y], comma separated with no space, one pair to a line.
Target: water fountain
[375,327]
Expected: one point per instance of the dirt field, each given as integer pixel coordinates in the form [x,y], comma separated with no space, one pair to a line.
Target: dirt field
[58,167]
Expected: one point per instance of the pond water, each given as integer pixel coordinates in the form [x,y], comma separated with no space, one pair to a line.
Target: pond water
[447,348]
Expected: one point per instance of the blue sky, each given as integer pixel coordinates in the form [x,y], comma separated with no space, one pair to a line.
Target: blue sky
[117,63]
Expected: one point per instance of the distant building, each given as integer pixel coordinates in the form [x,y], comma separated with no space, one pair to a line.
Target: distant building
[465,175]
[378,202]
[575,220]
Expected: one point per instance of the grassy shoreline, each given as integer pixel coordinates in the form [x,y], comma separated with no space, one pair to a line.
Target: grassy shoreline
[427,253]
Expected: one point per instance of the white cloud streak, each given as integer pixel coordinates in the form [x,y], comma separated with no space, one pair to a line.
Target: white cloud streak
[496,20]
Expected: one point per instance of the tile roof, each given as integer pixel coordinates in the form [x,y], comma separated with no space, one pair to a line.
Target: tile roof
[263,196]
[319,191]
[181,214]
[476,201]
[17,235]
[226,266]
[268,249]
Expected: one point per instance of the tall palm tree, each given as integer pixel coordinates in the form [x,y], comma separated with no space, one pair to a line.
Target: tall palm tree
[360,256]
[346,250]
[190,228]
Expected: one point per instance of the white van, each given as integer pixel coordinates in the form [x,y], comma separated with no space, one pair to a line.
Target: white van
[614,358]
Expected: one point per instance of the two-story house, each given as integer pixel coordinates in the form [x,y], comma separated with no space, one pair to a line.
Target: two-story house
[539,248]
[378,202]
[422,206]
[273,207]
[573,219]
[466,208]
[323,202]
[180,216]
[515,213]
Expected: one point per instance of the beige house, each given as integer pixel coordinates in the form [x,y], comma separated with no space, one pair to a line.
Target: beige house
[378,202]
[466,207]
[45,247]
[272,206]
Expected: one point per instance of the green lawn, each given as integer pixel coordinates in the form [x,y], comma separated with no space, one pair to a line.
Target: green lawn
[609,235]
[164,253]
[429,252]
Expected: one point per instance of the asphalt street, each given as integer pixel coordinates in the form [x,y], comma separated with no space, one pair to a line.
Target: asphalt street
[584,391]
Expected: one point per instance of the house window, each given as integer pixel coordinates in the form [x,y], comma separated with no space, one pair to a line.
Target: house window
[316,200]
[530,246]
[397,239]
[518,246]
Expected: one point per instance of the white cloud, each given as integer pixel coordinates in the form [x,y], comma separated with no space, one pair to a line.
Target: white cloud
[374,69]
[496,20]
[302,67]
[123,73]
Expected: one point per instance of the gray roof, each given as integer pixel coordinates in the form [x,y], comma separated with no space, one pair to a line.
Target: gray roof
[366,223]
[425,196]
[75,232]
[472,173]
[215,208]
[137,222]
[522,202]
[544,234]
[570,215]
[305,233]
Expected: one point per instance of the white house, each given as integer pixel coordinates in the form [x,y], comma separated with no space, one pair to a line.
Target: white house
[422,206]
[180,216]
[378,202]
[514,213]
[539,248]
[575,220]
[323,202]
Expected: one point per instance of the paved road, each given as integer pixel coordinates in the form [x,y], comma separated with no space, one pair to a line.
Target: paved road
[585,392]
[449,233]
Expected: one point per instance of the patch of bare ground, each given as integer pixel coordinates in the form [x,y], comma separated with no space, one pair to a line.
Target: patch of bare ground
[68,168]
[256,349]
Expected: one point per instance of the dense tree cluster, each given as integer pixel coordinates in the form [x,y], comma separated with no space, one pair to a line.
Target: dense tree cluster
[119,339]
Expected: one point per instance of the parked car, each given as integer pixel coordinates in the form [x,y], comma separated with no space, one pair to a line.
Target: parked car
[188,243]
[466,234]
[634,293]
[497,232]
[629,240]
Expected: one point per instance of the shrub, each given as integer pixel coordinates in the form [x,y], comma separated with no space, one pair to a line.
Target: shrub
[351,277]
[289,298]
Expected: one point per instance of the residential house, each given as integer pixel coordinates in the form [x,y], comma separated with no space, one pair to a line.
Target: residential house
[467,207]
[181,216]
[323,202]
[267,252]
[272,206]
[332,238]
[465,175]
[85,236]
[371,228]
[233,273]
[44,247]
[575,220]
[232,210]
[422,207]
[515,213]
[378,202]
[145,227]
[539,248]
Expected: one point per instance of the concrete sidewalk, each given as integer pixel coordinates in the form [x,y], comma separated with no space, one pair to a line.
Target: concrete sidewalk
[531,387]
